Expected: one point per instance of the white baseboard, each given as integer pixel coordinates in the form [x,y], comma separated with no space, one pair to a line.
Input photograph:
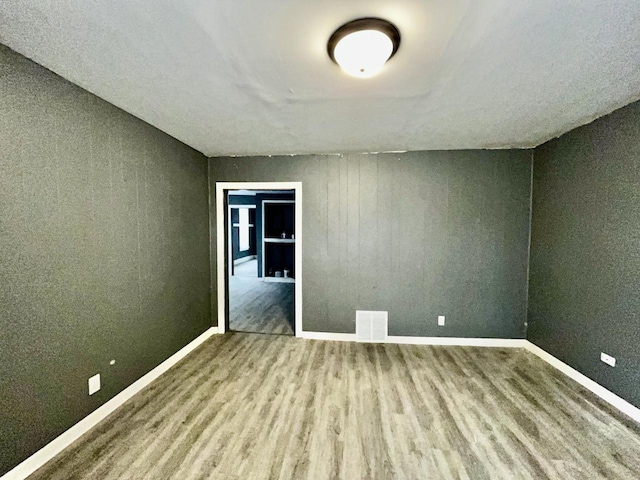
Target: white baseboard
[53,448]
[459,341]
[453,341]
[607,395]
[240,261]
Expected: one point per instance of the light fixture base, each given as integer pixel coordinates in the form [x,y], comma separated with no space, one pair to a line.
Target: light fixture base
[368,23]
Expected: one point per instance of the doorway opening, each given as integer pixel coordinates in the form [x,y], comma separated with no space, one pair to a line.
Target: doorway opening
[259,254]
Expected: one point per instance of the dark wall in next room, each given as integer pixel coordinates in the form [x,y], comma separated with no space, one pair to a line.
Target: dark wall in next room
[257,201]
[104,252]
[261,197]
[235,234]
[585,250]
[419,234]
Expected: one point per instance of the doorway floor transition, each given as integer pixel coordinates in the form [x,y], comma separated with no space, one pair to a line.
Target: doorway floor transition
[261,307]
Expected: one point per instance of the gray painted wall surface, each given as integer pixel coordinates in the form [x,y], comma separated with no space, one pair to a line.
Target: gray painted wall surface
[418,234]
[104,252]
[584,293]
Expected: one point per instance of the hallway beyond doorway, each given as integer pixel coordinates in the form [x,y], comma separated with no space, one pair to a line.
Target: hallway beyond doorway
[262,307]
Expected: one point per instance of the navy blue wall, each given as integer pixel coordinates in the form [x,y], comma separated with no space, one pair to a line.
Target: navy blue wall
[235,234]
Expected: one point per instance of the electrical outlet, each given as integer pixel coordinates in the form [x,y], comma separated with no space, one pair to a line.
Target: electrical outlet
[608,359]
[94,384]
[441,320]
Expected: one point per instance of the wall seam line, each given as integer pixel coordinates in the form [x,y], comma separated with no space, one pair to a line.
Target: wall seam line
[526,323]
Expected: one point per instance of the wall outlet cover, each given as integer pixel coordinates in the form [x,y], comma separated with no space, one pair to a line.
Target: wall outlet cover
[94,384]
[441,320]
[608,359]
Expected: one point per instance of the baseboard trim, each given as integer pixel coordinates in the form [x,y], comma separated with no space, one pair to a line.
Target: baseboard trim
[605,394]
[240,261]
[452,341]
[53,448]
[459,341]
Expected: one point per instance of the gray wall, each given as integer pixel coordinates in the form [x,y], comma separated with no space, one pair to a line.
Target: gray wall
[418,234]
[104,252]
[585,252]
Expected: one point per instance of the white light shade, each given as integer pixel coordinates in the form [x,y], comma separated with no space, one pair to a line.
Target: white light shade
[363,53]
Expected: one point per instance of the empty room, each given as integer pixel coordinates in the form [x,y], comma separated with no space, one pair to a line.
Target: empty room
[319,240]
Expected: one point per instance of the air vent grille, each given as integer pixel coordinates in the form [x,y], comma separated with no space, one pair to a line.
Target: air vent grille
[371,326]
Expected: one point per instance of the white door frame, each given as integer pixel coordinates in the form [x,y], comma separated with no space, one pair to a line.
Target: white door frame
[221,187]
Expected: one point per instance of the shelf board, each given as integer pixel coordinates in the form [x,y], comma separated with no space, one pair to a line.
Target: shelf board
[279,279]
[279,240]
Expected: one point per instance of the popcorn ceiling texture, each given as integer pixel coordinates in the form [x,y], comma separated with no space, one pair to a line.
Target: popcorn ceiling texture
[253,77]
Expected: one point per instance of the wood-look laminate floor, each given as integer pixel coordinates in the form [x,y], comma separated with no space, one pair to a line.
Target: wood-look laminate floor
[246,406]
[261,307]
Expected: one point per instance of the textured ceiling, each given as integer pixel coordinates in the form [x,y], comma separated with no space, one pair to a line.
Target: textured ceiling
[253,77]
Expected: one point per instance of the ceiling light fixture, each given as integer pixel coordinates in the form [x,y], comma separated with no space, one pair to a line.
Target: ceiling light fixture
[362,47]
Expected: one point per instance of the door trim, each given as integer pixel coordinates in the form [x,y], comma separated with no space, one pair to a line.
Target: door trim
[221,255]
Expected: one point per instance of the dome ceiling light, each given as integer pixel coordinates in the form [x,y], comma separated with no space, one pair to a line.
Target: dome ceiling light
[362,47]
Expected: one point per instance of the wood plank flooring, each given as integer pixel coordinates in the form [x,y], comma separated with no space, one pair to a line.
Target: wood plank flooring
[246,406]
[261,307]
